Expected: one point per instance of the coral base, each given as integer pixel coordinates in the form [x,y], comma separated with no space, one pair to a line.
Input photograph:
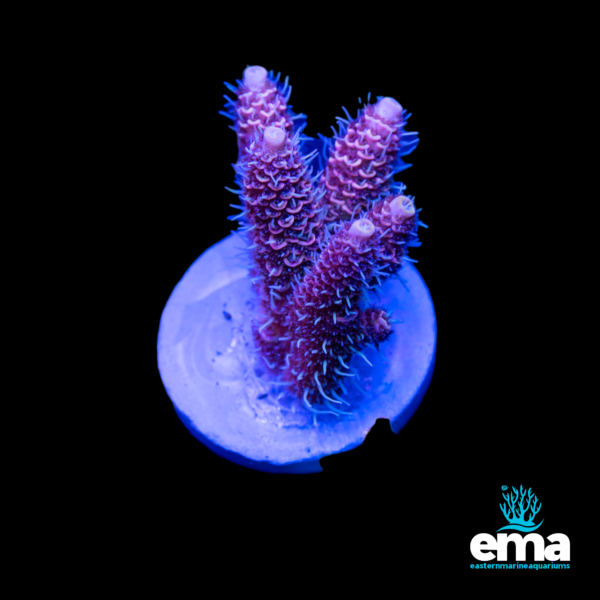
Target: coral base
[223,393]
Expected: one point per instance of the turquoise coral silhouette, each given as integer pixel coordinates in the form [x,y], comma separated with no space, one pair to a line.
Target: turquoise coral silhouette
[515,511]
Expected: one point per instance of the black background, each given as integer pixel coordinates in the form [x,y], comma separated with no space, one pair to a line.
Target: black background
[503,407]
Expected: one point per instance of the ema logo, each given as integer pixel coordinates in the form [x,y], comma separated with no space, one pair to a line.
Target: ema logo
[515,513]
[520,509]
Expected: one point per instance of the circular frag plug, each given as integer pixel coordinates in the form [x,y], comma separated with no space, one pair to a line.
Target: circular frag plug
[402,207]
[274,138]
[388,109]
[255,77]
[362,229]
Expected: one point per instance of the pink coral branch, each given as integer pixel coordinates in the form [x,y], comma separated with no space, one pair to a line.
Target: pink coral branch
[283,211]
[260,102]
[331,294]
[361,164]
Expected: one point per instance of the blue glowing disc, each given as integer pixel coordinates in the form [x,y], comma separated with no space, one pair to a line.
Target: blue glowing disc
[222,392]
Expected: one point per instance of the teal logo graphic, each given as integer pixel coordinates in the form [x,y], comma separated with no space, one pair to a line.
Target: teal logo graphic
[516,508]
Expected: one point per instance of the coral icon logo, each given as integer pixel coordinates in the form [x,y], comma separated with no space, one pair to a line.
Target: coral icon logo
[520,509]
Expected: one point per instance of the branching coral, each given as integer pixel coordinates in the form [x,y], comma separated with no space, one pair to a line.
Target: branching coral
[364,156]
[327,322]
[260,101]
[285,227]
[318,248]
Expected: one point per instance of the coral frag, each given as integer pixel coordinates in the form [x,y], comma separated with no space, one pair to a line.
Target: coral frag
[318,248]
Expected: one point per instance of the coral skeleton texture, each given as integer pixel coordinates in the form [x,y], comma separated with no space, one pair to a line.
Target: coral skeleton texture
[319,244]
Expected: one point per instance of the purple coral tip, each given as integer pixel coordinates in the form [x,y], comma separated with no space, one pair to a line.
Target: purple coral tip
[255,77]
[362,229]
[402,207]
[274,138]
[388,109]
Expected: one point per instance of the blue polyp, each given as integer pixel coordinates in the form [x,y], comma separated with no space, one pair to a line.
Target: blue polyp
[217,395]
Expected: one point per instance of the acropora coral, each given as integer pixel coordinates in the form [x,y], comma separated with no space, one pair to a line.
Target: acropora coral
[319,243]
